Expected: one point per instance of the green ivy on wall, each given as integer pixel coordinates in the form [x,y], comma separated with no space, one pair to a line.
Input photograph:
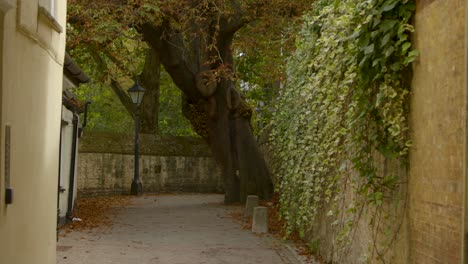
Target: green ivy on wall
[345,99]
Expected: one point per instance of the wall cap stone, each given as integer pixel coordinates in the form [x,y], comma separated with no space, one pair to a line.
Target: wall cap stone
[152,145]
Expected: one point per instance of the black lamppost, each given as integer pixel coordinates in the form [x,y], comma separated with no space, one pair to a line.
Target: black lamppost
[136,93]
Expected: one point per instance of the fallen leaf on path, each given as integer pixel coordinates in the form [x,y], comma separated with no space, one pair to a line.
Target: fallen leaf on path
[95,212]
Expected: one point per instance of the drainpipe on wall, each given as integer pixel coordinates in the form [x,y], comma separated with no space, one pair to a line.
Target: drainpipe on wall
[59,176]
[71,186]
[464,248]
[85,121]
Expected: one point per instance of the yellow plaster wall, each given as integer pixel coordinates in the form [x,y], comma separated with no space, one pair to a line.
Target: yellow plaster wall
[31,88]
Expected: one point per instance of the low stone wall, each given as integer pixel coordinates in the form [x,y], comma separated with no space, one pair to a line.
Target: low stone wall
[167,164]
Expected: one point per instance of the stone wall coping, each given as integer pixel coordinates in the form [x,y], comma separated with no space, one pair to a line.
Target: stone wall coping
[151,145]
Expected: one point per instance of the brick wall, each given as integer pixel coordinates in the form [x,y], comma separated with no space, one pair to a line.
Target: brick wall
[169,164]
[437,122]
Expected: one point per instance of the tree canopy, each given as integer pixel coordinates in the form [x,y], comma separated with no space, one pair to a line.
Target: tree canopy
[197,42]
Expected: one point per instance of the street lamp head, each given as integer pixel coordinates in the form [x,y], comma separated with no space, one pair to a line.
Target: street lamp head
[136,92]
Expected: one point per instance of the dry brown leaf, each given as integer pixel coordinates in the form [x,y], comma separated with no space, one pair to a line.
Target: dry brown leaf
[95,212]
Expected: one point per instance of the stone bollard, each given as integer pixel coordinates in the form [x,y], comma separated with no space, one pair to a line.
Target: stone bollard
[252,201]
[260,220]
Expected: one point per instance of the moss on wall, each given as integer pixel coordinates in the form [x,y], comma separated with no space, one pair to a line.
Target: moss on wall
[102,142]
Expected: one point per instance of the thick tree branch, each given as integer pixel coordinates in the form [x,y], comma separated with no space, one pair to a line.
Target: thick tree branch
[173,57]
[115,85]
[232,22]
[123,96]
[150,80]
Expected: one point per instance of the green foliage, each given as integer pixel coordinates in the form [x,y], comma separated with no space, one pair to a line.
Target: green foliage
[106,33]
[117,52]
[171,120]
[105,113]
[112,45]
[314,246]
[345,100]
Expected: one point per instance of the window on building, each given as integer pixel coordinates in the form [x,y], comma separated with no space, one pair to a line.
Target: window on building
[48,10]
[49,5]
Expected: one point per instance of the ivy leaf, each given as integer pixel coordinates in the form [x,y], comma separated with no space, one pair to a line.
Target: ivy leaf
[378,195]
[364,41]
[369,49]
[390,180]
[387,151]
[389,51]
[409,143]
[412,55]
[363,61]
[301,233]
[405,27]
[385,39]
[388,25]
[378,198]
[389,5]
[355,35]
[376,62]
[395,66]
[379,99]
[351,210]
[405,47]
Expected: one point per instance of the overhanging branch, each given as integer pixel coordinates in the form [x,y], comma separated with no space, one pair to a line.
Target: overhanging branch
[115,85]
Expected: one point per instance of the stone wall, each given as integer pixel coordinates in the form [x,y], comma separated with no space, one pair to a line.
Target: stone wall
[169,164]
[438,131]
[324,233]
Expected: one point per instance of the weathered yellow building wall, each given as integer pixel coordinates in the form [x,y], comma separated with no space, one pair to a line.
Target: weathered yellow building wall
[438,131]
[31,56]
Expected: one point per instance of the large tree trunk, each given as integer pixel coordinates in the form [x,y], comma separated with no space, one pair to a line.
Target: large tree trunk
[202,70]
[232,141]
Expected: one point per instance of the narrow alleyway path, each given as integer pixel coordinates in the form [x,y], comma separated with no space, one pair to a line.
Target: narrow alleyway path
[173,229]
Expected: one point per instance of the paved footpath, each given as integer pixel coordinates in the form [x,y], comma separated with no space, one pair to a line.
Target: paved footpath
[173,229]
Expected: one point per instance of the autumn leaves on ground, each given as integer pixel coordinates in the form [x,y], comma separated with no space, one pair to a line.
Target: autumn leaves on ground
[97,214]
